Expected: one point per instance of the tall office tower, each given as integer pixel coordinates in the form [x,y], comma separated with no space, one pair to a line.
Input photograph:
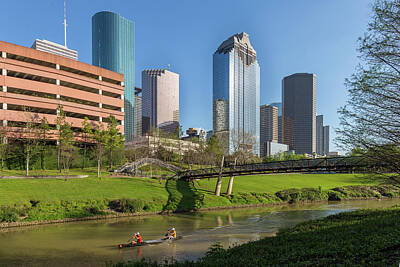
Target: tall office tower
[279,106]
[138,112]
[326,140]
[320,134]
[113,49]
[268,126]
[236,92]
[160,99]
[54,48]
[298,112]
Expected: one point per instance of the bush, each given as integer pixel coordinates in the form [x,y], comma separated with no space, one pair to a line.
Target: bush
[131,205]
[8,214]
[304,194]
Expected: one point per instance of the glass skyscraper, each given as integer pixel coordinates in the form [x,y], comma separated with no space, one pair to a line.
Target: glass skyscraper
[236,92]
[113,49]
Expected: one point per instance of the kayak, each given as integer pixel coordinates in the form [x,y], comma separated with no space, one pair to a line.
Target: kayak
[149,242]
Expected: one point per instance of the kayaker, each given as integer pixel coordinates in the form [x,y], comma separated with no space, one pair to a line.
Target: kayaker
[171,233]
[138,238]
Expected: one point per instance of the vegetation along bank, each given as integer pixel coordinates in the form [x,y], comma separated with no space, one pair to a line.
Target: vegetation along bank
[28,200]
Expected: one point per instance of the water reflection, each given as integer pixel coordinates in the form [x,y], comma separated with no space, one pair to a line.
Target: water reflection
[94,243]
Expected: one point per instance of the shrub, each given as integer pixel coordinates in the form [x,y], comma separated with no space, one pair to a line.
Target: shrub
[131,205]
[8,214]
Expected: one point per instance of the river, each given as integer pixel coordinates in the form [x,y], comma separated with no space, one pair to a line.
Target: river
[93,243]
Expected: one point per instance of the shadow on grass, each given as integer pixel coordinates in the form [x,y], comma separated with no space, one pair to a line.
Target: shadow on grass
[182,196]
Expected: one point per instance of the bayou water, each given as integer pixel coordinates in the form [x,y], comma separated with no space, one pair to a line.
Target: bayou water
[93,243]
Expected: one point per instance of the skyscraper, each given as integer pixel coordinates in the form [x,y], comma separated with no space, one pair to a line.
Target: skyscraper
[113,49]
[268,126]
[160,99]
[299,112]
[320,134]
[236,92]
[326,140]
[279,106]
[138,112]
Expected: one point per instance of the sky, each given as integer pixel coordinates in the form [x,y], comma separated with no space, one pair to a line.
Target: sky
[313,36]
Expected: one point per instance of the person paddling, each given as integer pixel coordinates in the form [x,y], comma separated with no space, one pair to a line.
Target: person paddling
[138,238]
[171,233]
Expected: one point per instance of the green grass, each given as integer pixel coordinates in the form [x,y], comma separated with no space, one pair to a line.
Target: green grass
[61,197]
[358,238]
[19,191]
[274,183]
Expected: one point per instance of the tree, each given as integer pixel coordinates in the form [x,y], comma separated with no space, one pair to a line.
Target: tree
[113,139]
[370,120]
[213,151]
[30,136]
[100,138]
[87,132]
[66,145]
[44,129]
[3,144]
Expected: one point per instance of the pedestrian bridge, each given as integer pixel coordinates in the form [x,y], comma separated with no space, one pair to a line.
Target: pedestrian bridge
[336,164]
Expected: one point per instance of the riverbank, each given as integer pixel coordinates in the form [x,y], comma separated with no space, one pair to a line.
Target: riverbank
[46,201]
[30,202]
[358,238]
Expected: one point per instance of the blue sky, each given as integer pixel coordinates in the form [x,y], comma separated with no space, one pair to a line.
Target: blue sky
[315,36]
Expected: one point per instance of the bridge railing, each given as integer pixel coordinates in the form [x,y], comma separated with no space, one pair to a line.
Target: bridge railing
[336,163]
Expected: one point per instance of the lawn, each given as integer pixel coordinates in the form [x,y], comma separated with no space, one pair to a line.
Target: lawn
[23,190]
[20,191]
[274,183]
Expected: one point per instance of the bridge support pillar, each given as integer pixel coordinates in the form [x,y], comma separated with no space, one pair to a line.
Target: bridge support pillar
[230,185]
[219,181]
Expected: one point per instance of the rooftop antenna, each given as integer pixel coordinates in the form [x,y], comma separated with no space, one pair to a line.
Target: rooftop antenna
[65,26]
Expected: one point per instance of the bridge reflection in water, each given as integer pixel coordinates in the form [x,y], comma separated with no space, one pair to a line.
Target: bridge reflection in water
[336,164]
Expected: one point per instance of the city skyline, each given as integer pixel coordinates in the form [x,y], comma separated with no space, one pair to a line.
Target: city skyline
[331,61]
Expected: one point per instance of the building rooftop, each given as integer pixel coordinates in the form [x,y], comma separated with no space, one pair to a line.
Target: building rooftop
[241,39]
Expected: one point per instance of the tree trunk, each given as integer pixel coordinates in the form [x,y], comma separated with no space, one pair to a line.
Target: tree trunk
[84,157]
[111,163]
[230,185]
[27,163]
[219,181]
[58,158]
[98,169]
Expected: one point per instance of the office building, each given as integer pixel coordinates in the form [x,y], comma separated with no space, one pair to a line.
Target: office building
[320,134]
[236,92]
[299,112]
[160,98]
[113,49]
[34,84]
[326,140]
[273,148]
[54,48]
[268,126]
[279,106]
[138,112]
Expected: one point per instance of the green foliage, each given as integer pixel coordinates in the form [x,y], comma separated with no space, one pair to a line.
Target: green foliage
[304,194]
[8,214]
[281,156]
[131,205]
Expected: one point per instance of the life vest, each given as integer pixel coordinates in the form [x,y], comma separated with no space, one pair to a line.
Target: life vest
[173,233]
[139,238]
